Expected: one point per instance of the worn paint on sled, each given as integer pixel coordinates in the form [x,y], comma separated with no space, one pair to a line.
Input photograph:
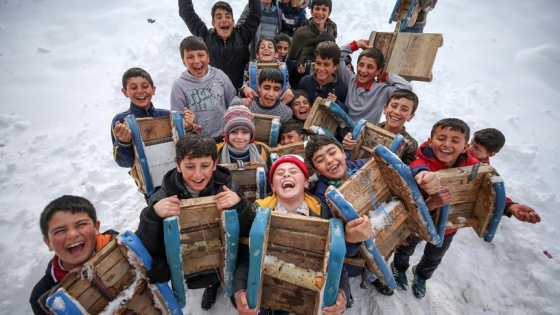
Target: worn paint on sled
[267,129]
[369,137]
[328,116]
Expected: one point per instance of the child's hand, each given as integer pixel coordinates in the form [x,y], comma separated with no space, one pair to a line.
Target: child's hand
[439,199]
[524,213]
[429,181]
[363,44]
[246,101]
[226,199]
[168,207]
[358,230]
[242,305]
[301,69]
[348,143]
[250,93]
[338,307]
[331,97]
[188,119]
[287,97]
[122,132]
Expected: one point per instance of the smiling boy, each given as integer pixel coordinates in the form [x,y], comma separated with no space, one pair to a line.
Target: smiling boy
[270,85]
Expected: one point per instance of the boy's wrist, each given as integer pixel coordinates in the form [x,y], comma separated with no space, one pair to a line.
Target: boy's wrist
[353,46]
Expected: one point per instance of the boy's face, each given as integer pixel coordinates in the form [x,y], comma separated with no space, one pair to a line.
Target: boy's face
[139,91]
[320,14]
[324,69]
[290,137]
[448,145]
[196,62]
[397,113]
[330,162]
[239,138]
[197,172]
[289,182]
[300,107]
[266,52]
[282,49]
[269,92]
[223,22]
[479,151]
[72,237]
[367,70]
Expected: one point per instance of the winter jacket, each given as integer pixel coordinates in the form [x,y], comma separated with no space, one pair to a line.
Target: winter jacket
[367,102]
[305,40]
[150,228]
[411,146]
[208,97]
[292,18]
[230,55]
[314,89]
[123,153]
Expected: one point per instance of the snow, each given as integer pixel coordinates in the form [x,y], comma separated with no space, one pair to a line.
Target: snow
[61,64]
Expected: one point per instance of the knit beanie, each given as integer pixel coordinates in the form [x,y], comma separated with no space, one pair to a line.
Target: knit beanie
[239,117]
[291,158]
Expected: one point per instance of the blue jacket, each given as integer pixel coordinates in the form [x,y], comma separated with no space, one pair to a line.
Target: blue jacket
[314,90]
[123,153]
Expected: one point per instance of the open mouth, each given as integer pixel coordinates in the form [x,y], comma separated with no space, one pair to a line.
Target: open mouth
[75,247]
[288,185]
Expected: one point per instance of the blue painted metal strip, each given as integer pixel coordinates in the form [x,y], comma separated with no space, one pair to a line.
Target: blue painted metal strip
[178,121]
[230,222]
[172,239]
[394,13]
[253,72]
[408,14]
[500,190]
[61,303]
[274,133]
[256,250]
[443,216]
[169,298]
[396,143]
[261,183]
[337,251]
[139,145]
[337,110]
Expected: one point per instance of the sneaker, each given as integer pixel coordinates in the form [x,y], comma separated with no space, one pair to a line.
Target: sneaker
[350,301]
[209,297]
[419,285]
[400,278]
[381,288]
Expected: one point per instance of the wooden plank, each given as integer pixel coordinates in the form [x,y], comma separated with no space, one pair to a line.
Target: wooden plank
[414,55]
[294,274]
[302,258]
[198,212]
[263,126]
[278,294]
[154,128]
[370,137]
[299,223]
[199,235]
[193,265]
[291,148]
[321,116]
[381,41]
[485,207]
[305,241]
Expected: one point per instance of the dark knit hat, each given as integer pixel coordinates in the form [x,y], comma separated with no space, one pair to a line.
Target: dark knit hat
[239,117]
[290,158]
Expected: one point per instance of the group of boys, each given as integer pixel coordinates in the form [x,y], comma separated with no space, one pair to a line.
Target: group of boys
[207,92]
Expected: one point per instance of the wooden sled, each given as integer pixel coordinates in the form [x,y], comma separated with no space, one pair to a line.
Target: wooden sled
[201,239]
[368,136]
[154,147]
[297,148]
[114,281]
[477,199]
[251,177]
[255,69]
[295,263]
[410,55]
[386,186]
[406,12]
[267,129]
[328,116]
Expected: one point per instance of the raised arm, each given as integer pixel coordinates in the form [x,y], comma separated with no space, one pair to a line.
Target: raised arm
[249,21]
[194,23]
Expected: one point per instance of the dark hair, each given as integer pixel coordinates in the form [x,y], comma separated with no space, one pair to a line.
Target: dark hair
[221,5]
[375,54]
[407,94]
[66,203]
[491,139]
[266,39]
[315,143]
[282,37]
[192,43]
[298,93]
[136,72]
[271,74]
[292,125]
[195,145]
[327,3]
[454,124]
[328,50]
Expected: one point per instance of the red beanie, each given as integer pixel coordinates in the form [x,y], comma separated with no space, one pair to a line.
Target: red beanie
[291,158]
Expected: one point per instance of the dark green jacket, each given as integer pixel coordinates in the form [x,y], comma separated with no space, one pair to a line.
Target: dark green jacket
[306,38]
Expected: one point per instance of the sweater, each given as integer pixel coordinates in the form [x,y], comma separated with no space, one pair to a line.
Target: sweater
[279,109]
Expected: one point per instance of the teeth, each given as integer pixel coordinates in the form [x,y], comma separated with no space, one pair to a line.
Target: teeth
[75,244]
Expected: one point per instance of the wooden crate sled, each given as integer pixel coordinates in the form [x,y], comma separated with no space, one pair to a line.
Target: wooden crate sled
[368,135]
[326,116]
[255,69]
[201,239]
[114,281]
[297,148]
[267,129]
[251,177]
[295,262]
[386,186]
[154,147]
[405,11]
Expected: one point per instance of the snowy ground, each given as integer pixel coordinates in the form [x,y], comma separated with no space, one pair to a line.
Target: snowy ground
[60,69]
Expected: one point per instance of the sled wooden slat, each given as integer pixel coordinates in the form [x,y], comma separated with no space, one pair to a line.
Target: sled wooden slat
[371,136]
[154,128]
[402,12]
[265,128]
[321,116]
[246,178]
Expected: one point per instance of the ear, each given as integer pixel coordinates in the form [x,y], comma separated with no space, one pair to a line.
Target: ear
[178,167]
[154,90]
[213,24]
[97,226]
[306,185]
[215,165]
[336,66]
[491,154]
[301,137]
[48,243]
[410,118]
[123,90]
[378,72]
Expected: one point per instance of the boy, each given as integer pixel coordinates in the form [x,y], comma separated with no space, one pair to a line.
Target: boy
[399,110]
[204,90]
[368,90]
[228,45]
[289,179]
[300,105]
[197,175]
[324,82]
[283,43]
[292,17]
[270,85]
[70,228]
[291,132]
[446,148]
[137,85]
[484,145]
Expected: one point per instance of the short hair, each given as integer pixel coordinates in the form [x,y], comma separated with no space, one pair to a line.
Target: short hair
[327,3]
[271,74]
[374,54]
[66,203]
[491,139]
[266,39]
[454,124]
[192,43]
[292,125]
[407,94]
[298,93]
[195,145]
[328,50]
[282,37]
[136,72]
[315,143]
[221,5]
